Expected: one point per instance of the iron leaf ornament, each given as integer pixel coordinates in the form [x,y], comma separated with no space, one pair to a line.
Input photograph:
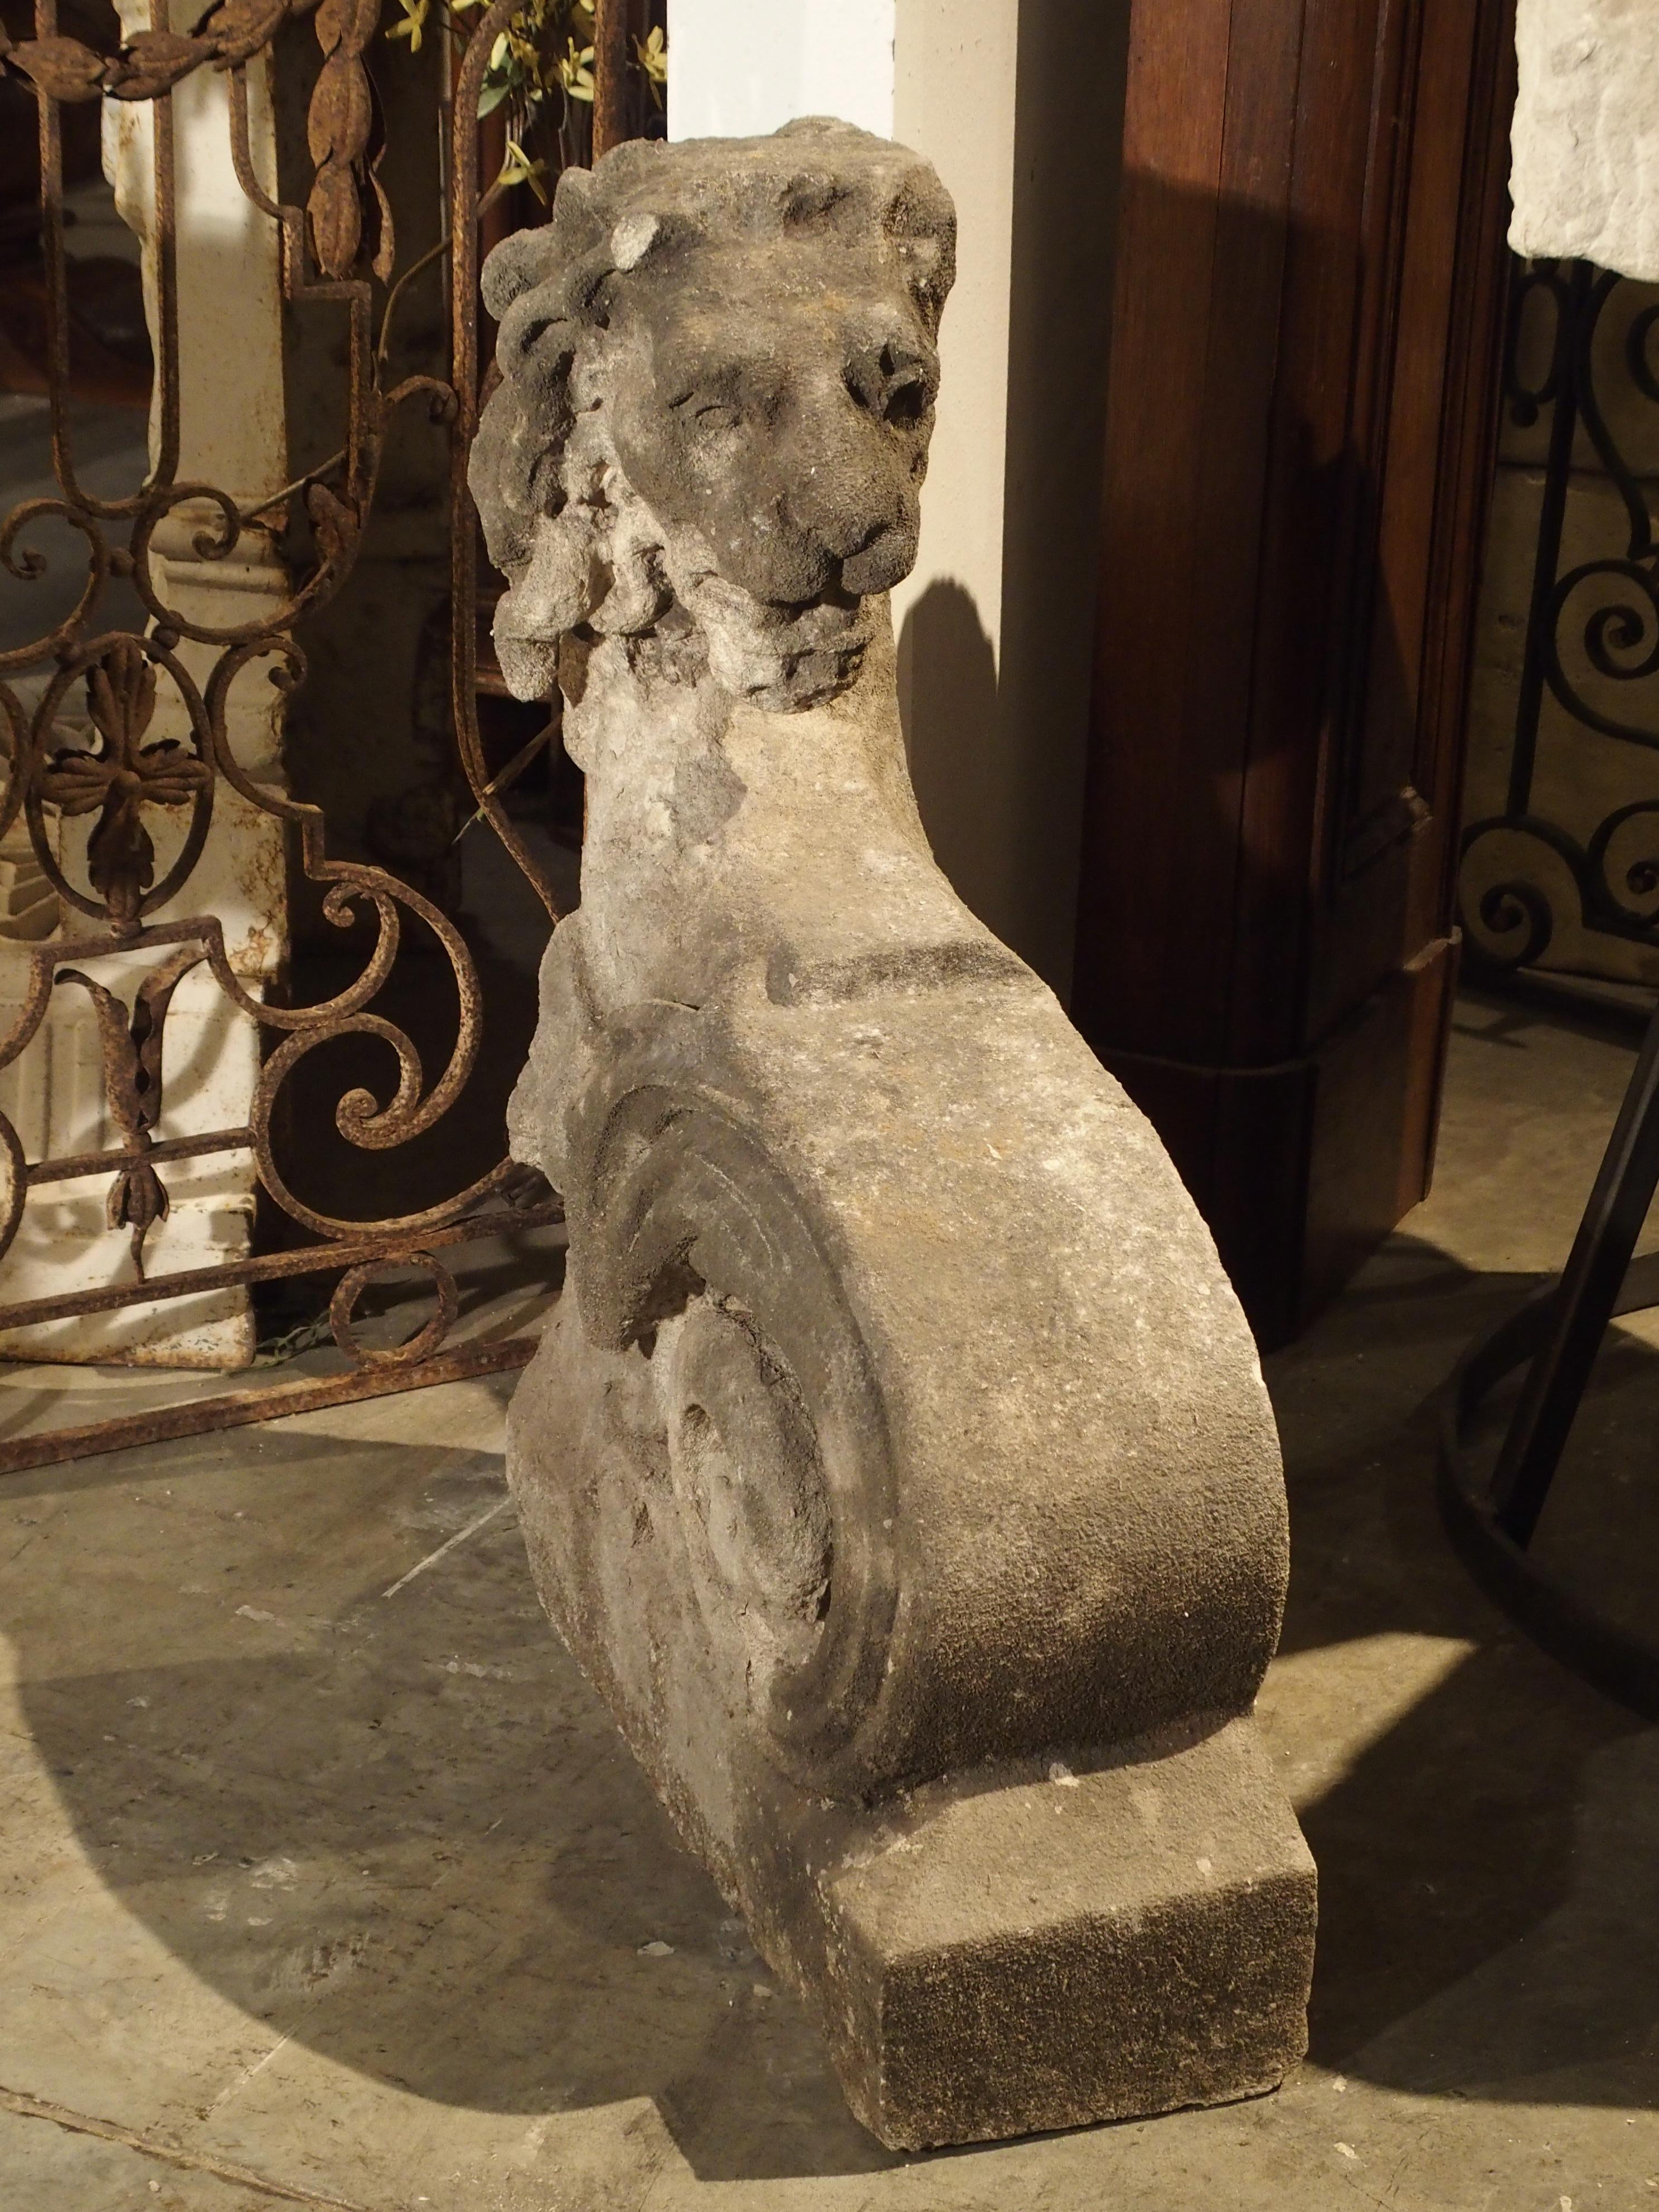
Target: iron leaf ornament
[131,1044]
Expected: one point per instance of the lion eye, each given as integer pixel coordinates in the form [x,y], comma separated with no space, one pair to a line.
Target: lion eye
[717,414]
[705,412]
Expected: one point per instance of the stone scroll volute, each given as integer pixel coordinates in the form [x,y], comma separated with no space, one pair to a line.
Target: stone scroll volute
[898,1465]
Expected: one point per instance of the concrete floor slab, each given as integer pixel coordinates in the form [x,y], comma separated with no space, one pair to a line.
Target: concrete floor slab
[51,2167]
[320,1864]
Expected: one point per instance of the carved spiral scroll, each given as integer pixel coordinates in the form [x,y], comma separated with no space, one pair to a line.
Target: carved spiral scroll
[695,1249]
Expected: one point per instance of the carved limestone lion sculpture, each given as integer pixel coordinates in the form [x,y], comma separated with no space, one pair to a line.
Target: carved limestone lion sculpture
[897,1464]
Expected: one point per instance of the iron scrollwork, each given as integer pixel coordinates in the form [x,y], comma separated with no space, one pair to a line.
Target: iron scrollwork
[339,247]
[1606,608]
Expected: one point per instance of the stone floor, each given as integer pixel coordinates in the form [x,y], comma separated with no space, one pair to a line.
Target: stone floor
[324,1881]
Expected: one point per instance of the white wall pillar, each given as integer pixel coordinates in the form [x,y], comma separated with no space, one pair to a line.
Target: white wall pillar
[1019,105]
[743,67]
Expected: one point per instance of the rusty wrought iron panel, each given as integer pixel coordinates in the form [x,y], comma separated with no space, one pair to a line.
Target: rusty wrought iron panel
[339,246]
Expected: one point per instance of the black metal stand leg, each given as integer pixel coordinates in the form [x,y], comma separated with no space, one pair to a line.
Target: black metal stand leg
[1583,1304]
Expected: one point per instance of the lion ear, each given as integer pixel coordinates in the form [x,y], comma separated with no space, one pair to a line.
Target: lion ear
[536,342]
[574,229]
[517,264]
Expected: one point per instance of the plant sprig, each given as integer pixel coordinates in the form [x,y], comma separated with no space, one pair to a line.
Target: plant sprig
[540,69]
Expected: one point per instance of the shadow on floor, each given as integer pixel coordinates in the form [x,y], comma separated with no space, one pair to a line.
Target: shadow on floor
[402,1830]
[405,1833]
[1473,1929]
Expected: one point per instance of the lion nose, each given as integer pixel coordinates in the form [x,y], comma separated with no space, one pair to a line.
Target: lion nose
[889,380]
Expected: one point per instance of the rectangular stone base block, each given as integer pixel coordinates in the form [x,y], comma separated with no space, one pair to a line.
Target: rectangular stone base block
[1045,1952]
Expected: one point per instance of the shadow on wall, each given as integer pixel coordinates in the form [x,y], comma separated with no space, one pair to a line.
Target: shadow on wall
[995,649]
[947,683]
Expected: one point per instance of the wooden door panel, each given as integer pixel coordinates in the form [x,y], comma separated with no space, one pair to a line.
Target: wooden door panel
[1299,422]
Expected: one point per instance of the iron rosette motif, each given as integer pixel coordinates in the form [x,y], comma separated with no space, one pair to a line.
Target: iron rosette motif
[148,799]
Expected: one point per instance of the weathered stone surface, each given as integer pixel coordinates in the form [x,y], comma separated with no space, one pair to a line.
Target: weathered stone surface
[1585,180]
[900,1444]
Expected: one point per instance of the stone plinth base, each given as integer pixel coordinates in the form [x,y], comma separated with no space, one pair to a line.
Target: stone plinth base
[1042,1954]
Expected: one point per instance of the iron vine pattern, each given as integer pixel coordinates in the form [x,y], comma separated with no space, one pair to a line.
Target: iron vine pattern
[1608,604]
[334,249]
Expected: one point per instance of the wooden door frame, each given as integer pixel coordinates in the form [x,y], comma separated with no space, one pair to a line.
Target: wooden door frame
[1301,419]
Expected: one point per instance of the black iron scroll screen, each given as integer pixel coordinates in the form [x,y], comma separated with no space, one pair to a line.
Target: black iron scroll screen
[1560,858]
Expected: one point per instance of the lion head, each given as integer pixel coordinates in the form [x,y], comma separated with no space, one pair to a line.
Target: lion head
[719,368]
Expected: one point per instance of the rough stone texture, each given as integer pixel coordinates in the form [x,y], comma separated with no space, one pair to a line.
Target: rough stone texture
[900,1469]
[1585,181]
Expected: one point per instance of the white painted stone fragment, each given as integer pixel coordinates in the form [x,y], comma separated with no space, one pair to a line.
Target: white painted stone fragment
[1585,181]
